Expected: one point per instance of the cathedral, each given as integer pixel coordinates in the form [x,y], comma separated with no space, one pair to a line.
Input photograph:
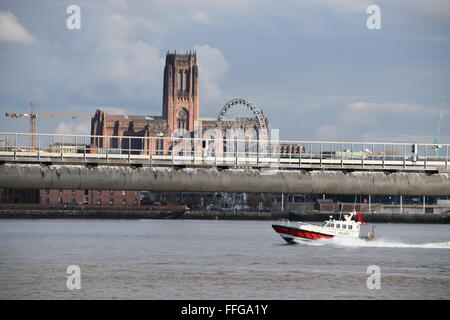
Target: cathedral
[180,110]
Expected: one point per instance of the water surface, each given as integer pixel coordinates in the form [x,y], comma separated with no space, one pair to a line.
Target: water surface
[205,259]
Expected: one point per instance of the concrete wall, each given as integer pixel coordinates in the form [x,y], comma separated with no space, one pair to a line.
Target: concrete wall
[412,209]
[299,207]
[226,180]
[219,215]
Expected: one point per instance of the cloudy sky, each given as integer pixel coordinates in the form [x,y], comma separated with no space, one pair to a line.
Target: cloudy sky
[313,66]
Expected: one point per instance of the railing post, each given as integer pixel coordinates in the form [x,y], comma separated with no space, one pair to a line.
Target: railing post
[351,152]
[39,147]
[15,147]
[310,152]
[372,155]
[150,150]
[404,157]
[216,147]
[320,147]
[173,154]
[300,148]
[129,149]
[446,159]
[257,152]
[362,155]
[235,150]
[290,154]
[107,151]
[426,157]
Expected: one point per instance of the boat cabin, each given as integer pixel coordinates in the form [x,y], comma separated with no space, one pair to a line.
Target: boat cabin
[346,224]
[336,224]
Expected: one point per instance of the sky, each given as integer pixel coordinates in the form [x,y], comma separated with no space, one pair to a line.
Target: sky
[313,66]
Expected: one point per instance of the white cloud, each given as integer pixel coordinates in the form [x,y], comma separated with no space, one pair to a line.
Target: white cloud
[436,8]
[114,110]
[12,31]
[202,17]
[213,68]
[385,107]
[348,5]
[343,6]
[229,4]
[74,128]
[328,132]
[120,4]
[119,67]
[370,121]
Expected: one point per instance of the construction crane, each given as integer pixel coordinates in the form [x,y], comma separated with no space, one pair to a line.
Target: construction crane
[437,147]
[33,116]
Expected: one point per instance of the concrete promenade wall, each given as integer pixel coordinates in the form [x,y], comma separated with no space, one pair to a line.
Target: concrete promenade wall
[226,180]
[214,215]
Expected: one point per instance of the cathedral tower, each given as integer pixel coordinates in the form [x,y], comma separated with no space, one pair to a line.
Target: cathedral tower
[180,92]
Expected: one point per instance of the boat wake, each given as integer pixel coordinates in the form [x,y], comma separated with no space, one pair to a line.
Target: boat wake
[376,243]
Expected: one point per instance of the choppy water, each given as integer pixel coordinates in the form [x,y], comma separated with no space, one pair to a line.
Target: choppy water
[188,259]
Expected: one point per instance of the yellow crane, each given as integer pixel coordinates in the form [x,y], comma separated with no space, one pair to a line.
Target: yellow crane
[33,116]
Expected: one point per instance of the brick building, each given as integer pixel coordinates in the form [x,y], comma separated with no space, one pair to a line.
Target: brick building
[89,197]
[180,110]
[10,196]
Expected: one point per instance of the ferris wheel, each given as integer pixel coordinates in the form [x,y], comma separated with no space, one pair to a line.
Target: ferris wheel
[242,114]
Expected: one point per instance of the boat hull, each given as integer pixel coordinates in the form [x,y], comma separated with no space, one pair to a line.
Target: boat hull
[295,235]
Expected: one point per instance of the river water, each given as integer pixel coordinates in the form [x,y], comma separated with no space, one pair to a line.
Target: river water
[214,259]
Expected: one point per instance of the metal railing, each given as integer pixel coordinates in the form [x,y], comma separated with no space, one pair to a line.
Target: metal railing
[237,152]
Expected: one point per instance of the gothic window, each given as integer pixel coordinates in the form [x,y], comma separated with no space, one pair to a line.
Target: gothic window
[186,81]
[194,76]
[183,119]
[183,82]
[179,81]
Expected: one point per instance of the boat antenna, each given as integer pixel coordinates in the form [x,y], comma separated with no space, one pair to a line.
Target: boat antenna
[354,204]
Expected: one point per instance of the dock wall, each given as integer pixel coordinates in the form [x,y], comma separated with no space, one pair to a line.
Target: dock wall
[214,215]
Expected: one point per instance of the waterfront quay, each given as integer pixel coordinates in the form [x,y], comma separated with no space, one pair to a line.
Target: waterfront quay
[36,212]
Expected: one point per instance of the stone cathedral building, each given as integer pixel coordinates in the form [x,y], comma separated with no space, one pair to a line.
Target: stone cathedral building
[180,110]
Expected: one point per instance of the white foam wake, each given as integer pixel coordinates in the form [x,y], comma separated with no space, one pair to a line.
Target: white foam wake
[377,243]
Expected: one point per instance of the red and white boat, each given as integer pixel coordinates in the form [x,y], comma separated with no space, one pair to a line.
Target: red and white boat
[349,226]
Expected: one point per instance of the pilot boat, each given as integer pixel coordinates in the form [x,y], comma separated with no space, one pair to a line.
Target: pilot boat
[348,226]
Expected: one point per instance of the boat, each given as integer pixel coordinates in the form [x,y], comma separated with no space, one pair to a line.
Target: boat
[349,226]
